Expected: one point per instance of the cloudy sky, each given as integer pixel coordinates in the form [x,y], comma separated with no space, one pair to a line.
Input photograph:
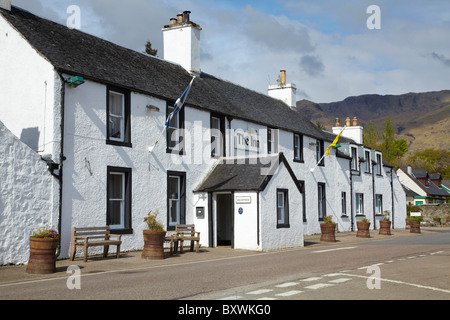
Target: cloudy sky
[325,45]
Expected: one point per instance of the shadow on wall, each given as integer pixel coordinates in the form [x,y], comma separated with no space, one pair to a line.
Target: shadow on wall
[30,136]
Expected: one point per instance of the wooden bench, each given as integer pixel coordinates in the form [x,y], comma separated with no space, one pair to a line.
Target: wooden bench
[186,232]
[93,237]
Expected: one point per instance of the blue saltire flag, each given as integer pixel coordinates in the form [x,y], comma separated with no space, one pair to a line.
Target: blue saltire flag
[179,103]
[177,107]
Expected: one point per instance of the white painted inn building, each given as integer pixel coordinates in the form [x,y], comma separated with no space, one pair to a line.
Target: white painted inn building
[234,162]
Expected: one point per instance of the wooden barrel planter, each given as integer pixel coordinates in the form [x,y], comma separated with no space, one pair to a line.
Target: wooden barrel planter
[415,227]
[42,255]
[153,245]
[328,232]
[408,223]
[385,227]
[363,229]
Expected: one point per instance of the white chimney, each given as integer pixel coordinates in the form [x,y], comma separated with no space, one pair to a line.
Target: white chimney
[354,132]
[5,4]
[286,92]
[182,42]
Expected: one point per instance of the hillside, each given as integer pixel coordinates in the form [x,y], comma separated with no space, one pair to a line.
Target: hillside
[423,119]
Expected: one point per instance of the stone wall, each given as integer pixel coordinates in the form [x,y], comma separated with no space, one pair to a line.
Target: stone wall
[430,211]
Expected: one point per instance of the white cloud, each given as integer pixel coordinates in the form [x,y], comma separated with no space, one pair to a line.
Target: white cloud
[324,45]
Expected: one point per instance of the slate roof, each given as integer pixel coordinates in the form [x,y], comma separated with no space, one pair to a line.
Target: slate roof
[77,53]
[430,188]
[243,174]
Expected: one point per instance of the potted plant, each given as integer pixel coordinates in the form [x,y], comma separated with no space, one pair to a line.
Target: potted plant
[415,224]
[385,223]
[153,237]
[43,245]
[363,228]
[328,229]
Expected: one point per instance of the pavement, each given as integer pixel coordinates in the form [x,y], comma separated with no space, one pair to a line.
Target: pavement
[130,261]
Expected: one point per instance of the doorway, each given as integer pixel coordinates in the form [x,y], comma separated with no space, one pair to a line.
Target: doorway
[224,218]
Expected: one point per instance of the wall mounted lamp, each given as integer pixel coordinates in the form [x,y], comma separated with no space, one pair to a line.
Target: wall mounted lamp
[153,108]
[75,81]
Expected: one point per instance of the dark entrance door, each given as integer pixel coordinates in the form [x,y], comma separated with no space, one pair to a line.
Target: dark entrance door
[224,211]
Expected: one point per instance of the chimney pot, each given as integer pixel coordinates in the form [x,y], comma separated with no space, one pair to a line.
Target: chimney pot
[347,122]
[283,77]
[338,122]
[173,21]
[355,121]
[186,18]
[180,18]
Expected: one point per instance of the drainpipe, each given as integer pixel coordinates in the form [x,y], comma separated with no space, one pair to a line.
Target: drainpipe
[61,160]
[373,199]
[351,193]
[230,149]
[392,196]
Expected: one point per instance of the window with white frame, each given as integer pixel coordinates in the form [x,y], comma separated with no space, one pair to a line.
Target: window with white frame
[378,204]
[217,136]
[176,198]
[282,208]
[119,198]
[367,161]
[379,164]
[175,130]
[344,203]
[298,147]
[118,122]
[272,140]
[360,204]
[320,151]
[322,207]
[354,158]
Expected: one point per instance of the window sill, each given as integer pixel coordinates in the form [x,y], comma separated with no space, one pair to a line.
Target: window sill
[283,226]
[120,144]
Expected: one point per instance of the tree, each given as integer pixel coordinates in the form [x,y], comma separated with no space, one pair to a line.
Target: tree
[371,136]
[149,50]
[393,150]
[432,161]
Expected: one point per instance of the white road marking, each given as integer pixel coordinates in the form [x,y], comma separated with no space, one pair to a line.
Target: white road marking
[287,284]
[311,279]
[289,293]
[261,291]
[335,249]
[319,286]
[340,280]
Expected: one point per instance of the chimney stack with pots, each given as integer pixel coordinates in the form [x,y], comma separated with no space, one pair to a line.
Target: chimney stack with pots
[352,130]
[182,42]
[286,92]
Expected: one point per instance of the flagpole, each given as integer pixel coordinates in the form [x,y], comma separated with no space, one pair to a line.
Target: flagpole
[169,118]
[333,144]
[312,170]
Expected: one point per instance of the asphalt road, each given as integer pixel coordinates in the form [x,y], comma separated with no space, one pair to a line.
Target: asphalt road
[409,268]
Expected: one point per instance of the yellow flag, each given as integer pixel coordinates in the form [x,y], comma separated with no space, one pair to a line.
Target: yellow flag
[334,142]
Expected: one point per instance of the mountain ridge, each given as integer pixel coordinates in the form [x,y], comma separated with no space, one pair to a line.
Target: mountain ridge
[422,119]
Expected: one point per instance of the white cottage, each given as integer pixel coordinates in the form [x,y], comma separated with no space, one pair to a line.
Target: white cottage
[235,162]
